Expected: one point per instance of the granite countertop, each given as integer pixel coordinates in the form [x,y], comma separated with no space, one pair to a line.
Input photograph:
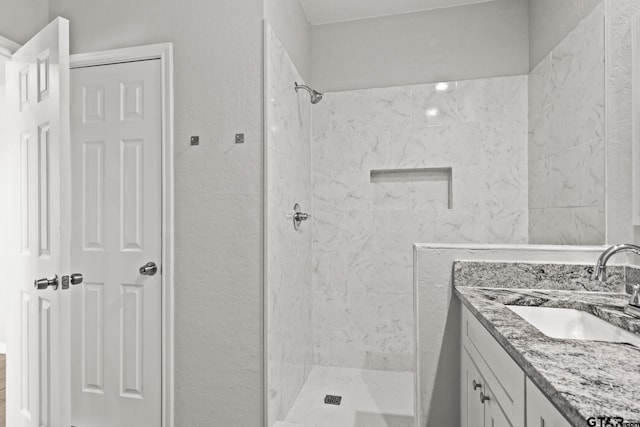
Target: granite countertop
[582,379]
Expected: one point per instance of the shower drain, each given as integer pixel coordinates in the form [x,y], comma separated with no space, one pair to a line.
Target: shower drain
[332,400]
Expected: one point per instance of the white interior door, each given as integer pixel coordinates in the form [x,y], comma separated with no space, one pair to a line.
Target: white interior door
[116,315]
[37,80]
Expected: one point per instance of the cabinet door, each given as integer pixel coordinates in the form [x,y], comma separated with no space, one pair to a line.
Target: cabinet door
[541,412]
[472,409]
[493,414]
[506,378]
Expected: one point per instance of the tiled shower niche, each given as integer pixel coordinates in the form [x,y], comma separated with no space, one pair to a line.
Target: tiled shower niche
[422,188]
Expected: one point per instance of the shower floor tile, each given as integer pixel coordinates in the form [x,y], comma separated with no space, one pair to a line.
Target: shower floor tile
[369,399]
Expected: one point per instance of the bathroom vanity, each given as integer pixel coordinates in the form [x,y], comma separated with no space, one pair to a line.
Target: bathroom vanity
[494,388]
[546,357]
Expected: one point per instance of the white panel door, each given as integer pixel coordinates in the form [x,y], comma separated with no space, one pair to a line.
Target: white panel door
[38,342]
[116,314]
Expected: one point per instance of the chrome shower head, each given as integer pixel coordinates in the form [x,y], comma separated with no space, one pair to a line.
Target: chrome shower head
[315,95]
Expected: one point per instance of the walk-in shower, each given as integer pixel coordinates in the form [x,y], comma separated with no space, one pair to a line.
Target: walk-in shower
[315,95]
[339,322]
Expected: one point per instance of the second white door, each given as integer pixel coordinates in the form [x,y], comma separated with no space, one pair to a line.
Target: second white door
[116,314]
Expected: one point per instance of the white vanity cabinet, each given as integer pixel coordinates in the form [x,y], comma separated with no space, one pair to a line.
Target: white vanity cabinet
[502,382]
[540,412]
[478,406]
[495,392]
[493,415]
[472,384]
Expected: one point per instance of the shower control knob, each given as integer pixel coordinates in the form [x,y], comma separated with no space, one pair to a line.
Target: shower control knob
[149,269]
[298,216]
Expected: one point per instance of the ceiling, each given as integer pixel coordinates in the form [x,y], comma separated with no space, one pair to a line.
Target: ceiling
[327,11]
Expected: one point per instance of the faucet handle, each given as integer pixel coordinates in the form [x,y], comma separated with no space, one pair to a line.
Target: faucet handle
[635,296]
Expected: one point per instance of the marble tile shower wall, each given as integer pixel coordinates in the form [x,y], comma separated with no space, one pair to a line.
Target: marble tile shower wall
[567,139]
[288,269]
[619,21]
[364,229]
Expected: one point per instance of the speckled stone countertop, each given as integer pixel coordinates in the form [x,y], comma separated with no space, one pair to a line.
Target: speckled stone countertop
[581,378]
[570,277]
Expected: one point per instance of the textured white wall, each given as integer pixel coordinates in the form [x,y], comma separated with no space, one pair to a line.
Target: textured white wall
[288,251]
[218,88]
[289,23]
[567,139]
[550,21]
[21,19]
[458,43]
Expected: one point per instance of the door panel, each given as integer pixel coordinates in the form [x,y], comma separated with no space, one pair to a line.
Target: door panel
[116,315]
[37,81]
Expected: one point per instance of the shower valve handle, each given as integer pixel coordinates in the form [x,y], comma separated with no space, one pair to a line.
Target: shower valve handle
[300,216]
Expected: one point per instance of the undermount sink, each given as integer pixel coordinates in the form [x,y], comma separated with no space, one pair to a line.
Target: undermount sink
[565,323]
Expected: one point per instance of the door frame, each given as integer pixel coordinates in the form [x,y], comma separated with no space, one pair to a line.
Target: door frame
[163,52]
[7,47]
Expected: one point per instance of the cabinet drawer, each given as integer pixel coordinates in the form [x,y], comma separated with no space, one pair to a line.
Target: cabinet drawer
[496,366]
[541,412]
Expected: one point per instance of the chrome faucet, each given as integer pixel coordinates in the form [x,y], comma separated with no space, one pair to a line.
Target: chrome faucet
[600,272]
[633,308]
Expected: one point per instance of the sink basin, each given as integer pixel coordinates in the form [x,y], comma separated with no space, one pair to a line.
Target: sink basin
[564,323]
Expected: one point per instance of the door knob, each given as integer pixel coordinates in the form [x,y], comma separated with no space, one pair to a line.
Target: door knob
[149,269]
[483,397]
[476,385]
[74,279]
[45,283]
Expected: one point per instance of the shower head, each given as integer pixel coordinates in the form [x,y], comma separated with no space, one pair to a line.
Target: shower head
[315,95]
